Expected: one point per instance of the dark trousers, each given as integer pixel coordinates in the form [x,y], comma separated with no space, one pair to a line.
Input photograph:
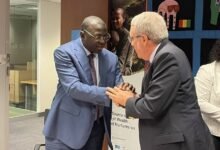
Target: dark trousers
[216,142]
[94,142]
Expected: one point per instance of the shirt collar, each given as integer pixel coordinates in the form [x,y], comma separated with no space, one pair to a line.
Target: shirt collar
[86,50]
[153,53]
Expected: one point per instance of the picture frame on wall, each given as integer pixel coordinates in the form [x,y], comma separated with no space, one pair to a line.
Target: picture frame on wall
[120,15]
[178,14]
[211,15]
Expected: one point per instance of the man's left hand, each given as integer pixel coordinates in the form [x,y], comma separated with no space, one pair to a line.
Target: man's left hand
[119,96]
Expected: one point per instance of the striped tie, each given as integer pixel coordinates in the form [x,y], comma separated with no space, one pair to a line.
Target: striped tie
[146,66]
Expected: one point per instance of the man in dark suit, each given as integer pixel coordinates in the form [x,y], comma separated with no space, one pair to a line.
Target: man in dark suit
[80,112]
[167,108]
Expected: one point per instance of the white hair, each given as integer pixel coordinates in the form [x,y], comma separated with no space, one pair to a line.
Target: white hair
[152,24]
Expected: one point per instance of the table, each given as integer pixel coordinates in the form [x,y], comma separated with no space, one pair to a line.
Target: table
[30,89]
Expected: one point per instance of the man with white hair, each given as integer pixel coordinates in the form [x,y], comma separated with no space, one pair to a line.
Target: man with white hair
[167,108]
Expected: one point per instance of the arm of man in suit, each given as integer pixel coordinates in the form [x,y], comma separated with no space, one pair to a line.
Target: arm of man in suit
[70,77]
[157,97]
[160,91]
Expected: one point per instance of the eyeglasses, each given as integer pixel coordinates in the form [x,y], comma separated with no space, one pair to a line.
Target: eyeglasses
[105,37]
[132,38]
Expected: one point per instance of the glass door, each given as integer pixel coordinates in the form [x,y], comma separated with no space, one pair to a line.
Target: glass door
[23,57]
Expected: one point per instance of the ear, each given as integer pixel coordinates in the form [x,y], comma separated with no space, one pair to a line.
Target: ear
[82,34]
[145,38]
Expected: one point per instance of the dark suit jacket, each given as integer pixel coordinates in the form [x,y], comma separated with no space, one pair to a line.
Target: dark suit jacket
[73,109]
[168,112]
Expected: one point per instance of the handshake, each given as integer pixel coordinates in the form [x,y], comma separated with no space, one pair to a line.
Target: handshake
[121,93]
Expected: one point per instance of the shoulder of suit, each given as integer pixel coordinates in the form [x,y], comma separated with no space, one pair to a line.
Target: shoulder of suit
[169,47]
[107,52]
[172,48]
[71,45]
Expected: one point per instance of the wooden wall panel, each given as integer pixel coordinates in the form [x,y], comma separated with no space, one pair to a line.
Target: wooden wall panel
[74,11]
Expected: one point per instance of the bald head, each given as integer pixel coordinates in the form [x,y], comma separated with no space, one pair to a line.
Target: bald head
[94,34]
[92,21]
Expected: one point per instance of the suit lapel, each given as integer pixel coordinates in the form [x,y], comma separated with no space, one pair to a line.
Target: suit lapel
[147,76]
[84,63]
[83,60]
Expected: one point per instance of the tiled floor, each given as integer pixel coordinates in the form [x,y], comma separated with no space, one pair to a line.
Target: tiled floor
[25,132]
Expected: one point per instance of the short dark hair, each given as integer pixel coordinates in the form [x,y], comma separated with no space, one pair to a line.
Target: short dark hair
[126,23]
[124,14]
[215,51]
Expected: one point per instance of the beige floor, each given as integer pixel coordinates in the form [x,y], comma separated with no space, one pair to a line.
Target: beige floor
[25,132]
[17,112]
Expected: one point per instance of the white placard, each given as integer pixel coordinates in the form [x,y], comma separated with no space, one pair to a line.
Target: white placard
[124,132]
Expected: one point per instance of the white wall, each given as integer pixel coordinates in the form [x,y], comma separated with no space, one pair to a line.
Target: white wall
[4,92]
[48,40]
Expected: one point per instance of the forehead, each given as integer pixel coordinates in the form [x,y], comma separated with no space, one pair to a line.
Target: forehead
[97,27]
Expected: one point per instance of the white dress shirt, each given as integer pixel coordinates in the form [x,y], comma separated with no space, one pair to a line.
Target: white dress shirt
[96,63]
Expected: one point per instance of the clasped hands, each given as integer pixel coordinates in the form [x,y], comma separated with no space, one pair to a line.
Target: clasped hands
[121,93]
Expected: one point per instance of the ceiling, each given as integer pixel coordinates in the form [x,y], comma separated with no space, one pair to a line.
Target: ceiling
[25,7]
